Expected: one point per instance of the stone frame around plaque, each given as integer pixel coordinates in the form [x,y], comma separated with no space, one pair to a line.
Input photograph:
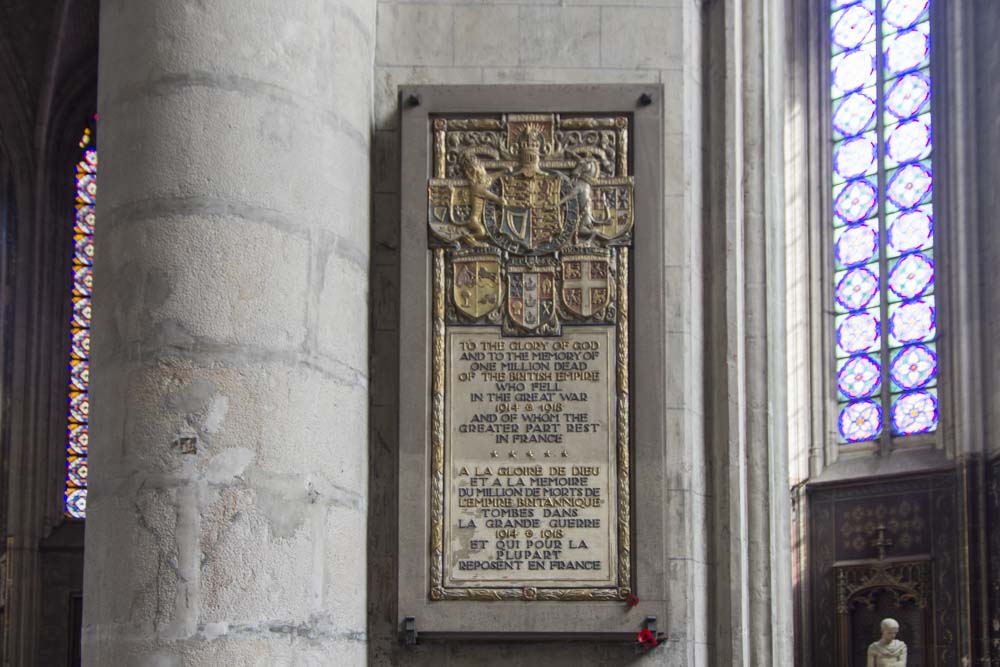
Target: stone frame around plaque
[640,566]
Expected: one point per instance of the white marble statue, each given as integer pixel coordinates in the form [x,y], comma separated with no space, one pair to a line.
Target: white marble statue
[887,651]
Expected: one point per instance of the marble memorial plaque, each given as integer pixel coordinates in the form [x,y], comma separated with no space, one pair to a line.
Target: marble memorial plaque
[530,222]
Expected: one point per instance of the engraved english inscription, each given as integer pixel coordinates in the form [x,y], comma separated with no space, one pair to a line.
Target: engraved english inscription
[530,222]
[531,460]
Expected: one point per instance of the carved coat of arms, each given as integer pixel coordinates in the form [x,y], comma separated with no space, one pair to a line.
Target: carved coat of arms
[586,286]
[511,194]
[531,296]
[476,285]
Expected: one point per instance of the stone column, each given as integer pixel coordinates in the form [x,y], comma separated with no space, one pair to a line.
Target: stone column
[226,521]
[747,428]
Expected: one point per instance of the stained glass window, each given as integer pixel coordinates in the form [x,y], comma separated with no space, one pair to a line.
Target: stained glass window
[882,191]
[75,501]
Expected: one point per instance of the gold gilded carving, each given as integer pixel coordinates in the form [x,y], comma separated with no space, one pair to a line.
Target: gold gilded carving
[530,219]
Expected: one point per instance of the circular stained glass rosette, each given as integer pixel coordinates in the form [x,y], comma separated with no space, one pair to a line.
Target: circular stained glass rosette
[77,439]
[854,114]
[854,70]
[76,503]
[856,289]
[81,344]
[858,333]
[90,159]
[856,201]
[907,50]
[856,245]
[912,322]
[85,220]
[854,157]
[86,188]
[76,471]
[914,412]
[909,141]
[83,280]
[909,231]
[908,95]
[853,27]
[79,406]
[909,185]
[859,377]
[901,14]
[84,253]
[79,374]
[860,421]
[81,312]
[911,275]
[913,367]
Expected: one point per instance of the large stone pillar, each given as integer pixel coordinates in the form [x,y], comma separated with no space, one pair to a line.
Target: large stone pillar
[747,425]
[226,520]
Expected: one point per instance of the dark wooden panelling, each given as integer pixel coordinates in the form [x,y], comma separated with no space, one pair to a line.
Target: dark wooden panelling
[920,518]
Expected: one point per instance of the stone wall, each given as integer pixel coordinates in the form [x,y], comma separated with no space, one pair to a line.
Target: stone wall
[551,42]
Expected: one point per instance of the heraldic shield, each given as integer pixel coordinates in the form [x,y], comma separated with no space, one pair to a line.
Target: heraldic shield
[612,211]
[531,216]
[531,295]
[476,286]
[586,284]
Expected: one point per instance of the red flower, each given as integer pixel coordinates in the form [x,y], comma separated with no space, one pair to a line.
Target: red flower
[632,600]
[647,639]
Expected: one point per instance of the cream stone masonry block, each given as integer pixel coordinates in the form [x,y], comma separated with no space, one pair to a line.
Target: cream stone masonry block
[567,75]
[260,274]
[257,46]
[486,35]
[344,293]
[415,35]
[641,37]
[387,80]
[247,420]
[560,36]
[235,151]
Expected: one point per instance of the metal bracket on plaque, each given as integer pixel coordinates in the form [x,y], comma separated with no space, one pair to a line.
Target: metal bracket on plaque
[410,631]
[650,624]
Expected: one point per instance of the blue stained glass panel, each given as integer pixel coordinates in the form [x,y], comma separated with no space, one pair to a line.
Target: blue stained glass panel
[855,157]
[913,367]
[911,275]
[915,412]
[858,332]
[908,95]
[76,502]
[907,50]
[882,191]
[853,26]
[855,200]
[909,185]
[910,230]
[857,244]
[908,141]
[901,14]
[859,377]
[854,114]
[81,344]
[84,249]
[79,371]
[856,289]
[854,70]
[83,280]
[81,312]
[85,220]
[912,321]
[77,439]
[79,406]
[860,421]
[76,470]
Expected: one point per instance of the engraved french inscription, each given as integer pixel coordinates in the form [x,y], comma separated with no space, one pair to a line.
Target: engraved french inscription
[531,462]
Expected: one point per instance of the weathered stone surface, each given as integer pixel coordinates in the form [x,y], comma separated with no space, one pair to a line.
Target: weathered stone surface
[228,499]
